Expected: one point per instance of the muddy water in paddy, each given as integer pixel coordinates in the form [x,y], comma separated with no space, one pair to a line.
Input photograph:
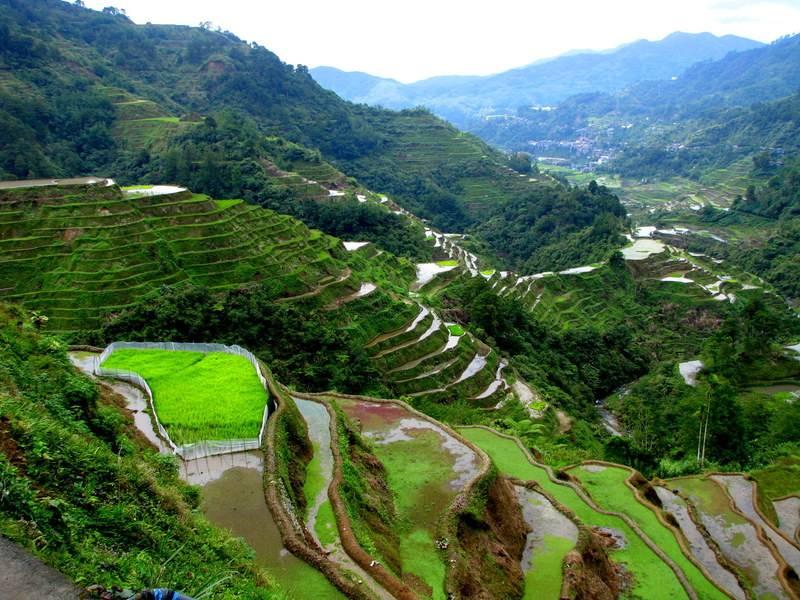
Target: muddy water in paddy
[235,501]
[736,537]
[426,468]
[201,471]
[552,536]
[741,490]
[318,421]
[698,545]
[232,498]
[788,511]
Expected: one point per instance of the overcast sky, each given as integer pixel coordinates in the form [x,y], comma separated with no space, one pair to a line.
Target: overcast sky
[413,39]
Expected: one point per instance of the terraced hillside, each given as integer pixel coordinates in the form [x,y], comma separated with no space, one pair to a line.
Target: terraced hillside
[90,251]
[153,103]
[691,542]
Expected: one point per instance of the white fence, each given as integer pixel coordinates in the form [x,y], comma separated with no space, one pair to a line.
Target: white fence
[198,449]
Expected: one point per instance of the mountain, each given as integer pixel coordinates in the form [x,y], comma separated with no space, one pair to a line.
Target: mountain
[91,92]
[462,100]
[716,112]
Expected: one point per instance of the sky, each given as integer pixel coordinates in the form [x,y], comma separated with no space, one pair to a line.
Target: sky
[410,40]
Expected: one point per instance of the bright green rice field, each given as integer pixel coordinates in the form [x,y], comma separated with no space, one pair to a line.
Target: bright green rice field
[199,396]
[607,487]
[652,578]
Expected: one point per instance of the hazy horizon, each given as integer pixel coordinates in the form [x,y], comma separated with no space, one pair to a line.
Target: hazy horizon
[418,39]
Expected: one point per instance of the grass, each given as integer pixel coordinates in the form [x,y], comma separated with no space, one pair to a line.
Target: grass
[447,263]
[456,329]
[609,491]
[94,503]
[194,239]
[223,204]
[419,471]
[314,479]
[420,558]
[199,396]
[653,579]
[779,479]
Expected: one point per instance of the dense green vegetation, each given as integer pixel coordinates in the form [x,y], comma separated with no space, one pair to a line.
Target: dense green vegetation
[770,211]
[199,397]
[663,414]
[227,156]
[555,228]
[92,250]
[366,494]
[302,345]
[83,492]
[151,86]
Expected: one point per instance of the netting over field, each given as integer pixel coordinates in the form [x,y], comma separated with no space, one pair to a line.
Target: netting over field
[198,449]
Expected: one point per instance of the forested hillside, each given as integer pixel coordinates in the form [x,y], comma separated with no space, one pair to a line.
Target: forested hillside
[87,91]
[708,117]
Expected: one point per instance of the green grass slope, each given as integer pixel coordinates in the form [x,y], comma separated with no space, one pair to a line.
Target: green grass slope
[88,252]
[88,496]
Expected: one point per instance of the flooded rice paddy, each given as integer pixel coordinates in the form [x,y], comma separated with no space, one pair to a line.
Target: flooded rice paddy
[235,501]
[552,536]
[427,271]
[643,248]
[426,467]
[742,492]
[652,578]
[702,552]
[788,511]
[735,536]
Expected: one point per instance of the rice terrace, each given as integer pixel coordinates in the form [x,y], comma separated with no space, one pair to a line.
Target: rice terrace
[198,396]
[272,332]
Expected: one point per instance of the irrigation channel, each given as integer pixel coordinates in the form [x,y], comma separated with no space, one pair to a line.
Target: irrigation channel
[232,496]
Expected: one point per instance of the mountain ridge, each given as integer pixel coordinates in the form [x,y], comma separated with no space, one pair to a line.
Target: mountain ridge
[461,99]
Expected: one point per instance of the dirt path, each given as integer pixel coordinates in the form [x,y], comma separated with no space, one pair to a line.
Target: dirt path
[24,577]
